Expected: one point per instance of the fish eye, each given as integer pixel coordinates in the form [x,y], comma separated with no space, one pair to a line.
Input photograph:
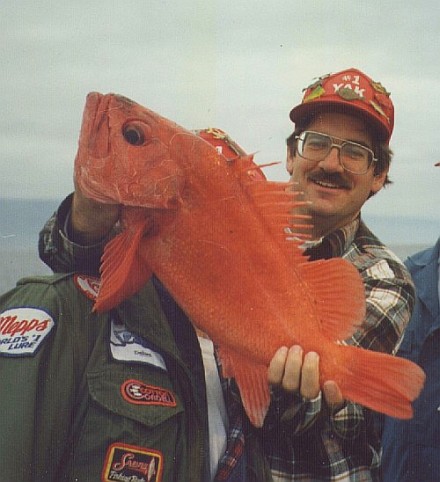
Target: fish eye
[133,134]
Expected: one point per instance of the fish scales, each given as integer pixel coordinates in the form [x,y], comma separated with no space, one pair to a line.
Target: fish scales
[216,239]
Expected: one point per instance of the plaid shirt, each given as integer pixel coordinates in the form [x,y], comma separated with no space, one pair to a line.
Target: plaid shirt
[305,441]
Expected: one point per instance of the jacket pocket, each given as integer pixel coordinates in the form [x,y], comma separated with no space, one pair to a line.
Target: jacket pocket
[146,396]
[132,414]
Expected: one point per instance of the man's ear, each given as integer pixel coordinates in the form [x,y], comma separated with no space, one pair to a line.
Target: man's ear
[378,181]
[290,161]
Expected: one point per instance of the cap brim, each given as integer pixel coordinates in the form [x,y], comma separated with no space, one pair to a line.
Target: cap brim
[305,110]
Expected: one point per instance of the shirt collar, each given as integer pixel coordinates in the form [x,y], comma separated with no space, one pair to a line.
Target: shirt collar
[334,244]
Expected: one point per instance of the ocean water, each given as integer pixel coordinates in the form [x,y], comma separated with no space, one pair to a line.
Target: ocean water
[21,220]
[20,223]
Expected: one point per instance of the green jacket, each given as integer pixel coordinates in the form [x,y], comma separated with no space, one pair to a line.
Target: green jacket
[74,409]
[100,397]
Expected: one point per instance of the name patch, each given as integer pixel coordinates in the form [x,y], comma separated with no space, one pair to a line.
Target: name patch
[129,347]
[128,463]
[137,392]
[22,330]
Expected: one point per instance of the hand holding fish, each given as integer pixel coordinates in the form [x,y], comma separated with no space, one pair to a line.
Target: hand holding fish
[91,221]
[297,373]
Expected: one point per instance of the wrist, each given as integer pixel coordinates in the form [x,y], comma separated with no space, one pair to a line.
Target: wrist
[84,233]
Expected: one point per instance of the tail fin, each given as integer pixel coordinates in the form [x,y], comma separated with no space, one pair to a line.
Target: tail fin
[384,383]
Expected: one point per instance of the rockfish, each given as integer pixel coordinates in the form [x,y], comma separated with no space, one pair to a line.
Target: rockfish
[217,240]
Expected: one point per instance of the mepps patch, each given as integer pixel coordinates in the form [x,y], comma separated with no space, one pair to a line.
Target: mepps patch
[88,285]
[129,347]
[139,393]
[22,330]
[129,463]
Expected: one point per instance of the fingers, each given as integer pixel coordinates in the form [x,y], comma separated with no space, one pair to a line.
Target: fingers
[310,387]
[332,394]
[292,369]
[295,372]
[275,371]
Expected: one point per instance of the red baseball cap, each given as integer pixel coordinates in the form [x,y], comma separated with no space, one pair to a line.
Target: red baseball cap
[229,148]
[354,92]
[221,141]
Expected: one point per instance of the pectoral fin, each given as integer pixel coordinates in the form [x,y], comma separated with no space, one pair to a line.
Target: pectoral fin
[123,271]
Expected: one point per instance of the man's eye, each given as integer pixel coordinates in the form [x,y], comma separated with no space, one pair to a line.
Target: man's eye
[355,152]
[316,144]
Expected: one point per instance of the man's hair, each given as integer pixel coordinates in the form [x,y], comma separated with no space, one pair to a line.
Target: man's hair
[381,150]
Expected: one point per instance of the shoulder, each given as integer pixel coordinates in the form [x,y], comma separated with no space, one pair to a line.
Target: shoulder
[53,292]
[375,260]
[421,259]
[40,306]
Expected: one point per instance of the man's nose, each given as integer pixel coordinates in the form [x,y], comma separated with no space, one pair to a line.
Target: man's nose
[331,161]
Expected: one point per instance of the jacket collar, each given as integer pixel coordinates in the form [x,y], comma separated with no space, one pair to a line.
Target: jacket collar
[424,271]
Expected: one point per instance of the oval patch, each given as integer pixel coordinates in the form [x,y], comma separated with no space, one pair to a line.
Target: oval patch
[139,393]
[22,330]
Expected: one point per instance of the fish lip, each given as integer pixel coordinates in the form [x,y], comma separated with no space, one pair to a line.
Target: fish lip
[97,126]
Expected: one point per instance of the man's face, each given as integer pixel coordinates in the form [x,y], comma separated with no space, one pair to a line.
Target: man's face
[335,195]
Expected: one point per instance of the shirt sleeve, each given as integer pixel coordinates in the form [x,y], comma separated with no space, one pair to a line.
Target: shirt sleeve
[390,299]
[60,252]
[293,412]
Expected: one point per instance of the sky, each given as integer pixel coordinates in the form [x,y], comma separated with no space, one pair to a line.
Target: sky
[233,64]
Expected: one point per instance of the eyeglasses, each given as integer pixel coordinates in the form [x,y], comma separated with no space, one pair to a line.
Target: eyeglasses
[354,158]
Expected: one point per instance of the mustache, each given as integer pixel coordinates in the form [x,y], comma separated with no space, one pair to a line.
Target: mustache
[331,178]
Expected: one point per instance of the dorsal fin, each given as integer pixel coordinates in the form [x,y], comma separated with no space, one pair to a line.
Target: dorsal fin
[123,272]
[339,295]
[276,202]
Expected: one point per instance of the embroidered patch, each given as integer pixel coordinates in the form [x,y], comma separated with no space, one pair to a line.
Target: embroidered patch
[129,347]
[137,392]
[88,285]
[129,463]
[22,330]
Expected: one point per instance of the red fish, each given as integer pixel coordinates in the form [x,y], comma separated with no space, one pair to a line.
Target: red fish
[216,239]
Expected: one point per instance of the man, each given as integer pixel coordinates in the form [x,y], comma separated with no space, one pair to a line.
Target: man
[132,394]
[338,156]
[306,437]
[411,448]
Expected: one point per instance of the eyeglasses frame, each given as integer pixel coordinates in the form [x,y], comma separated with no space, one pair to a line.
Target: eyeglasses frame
[339,147]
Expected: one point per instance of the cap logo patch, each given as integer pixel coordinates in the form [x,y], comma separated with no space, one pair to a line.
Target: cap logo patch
[349,89]
[137,392]
[129,463]
[22,330]
[379,109]
[88,285]
[315,94]
[348,93]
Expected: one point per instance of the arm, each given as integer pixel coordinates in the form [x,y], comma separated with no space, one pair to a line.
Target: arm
[73,239]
